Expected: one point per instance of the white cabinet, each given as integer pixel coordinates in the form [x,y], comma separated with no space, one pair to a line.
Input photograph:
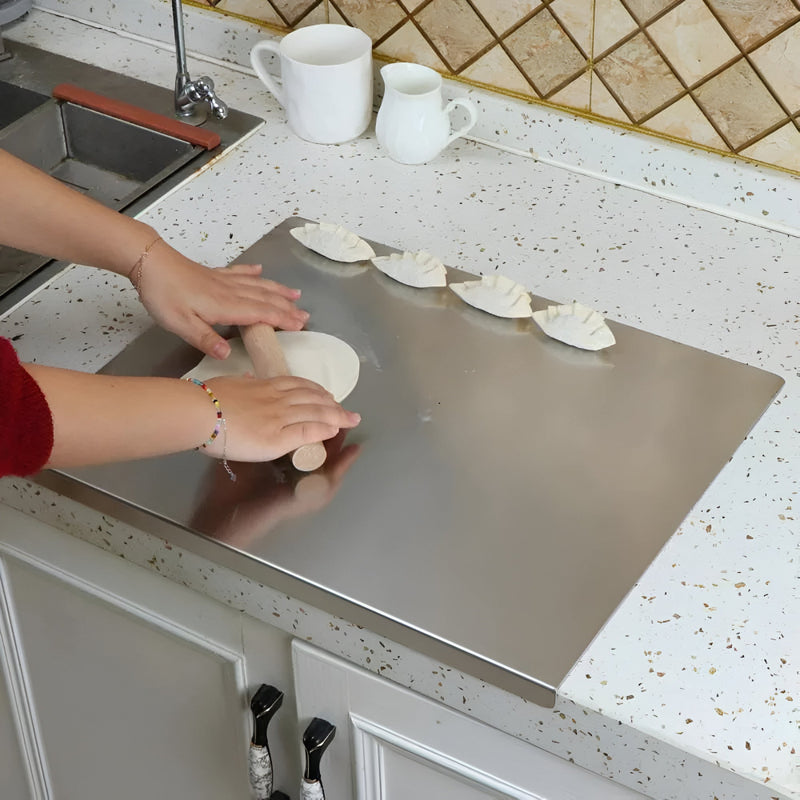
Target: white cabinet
[120,683]
[393,744]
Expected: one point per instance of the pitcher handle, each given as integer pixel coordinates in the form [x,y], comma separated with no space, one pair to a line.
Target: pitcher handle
[261,71]
[471,110]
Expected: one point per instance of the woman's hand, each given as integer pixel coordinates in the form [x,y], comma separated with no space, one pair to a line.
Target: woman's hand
[187,298]
[266,419]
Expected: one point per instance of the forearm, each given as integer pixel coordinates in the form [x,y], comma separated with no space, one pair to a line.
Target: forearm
[105,418]
[39,214]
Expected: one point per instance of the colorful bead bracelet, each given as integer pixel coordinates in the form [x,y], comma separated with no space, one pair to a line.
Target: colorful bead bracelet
[221,425]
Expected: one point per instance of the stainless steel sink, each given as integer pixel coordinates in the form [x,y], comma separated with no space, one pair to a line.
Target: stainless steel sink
[120,164]
[16,102]
[108,159]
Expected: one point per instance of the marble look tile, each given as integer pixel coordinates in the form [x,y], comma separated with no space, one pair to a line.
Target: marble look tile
[739,104]
[496,69]
[576,16]
[456,43]
[685,120]
[316,16]
[576,94]
[335,17]
[294,10]
[604,104]
[639,77]
[611,24]
[545,53]
[645,10]
[751,20]
[781,148]
[779,62]
[374,17]
[259,10]
[692,40]
[411,5]
[505,14]
[408,44]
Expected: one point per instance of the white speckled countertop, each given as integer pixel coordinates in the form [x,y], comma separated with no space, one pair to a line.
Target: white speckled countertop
[692,689]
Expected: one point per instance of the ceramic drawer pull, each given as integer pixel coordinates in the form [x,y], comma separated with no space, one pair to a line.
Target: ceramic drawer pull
[266,701]
[318,735]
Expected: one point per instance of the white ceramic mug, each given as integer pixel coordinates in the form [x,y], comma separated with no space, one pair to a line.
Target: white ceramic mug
[326,80]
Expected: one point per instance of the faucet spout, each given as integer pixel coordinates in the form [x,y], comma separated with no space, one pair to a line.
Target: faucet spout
[192,97]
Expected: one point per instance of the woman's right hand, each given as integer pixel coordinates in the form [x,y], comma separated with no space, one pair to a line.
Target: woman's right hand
[265,419]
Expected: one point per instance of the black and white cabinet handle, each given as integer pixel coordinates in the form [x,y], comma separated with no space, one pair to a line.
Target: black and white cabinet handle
[265,702]
[318,735]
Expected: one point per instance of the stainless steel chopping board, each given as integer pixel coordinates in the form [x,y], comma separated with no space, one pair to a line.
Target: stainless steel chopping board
[502,494]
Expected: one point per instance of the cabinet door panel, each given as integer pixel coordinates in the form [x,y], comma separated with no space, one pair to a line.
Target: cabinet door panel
[122,702]
[392,744]
[13,772]
[405,775]
[122,683]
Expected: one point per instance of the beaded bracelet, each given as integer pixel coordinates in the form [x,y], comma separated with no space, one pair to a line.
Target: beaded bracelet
[135,275]
[221,425]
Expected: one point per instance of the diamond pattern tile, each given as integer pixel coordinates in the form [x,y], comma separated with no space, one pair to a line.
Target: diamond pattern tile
[781,148]
[457,44]
[575,16]
[294,10]
[752,21]
[255,9]
[778,61]
[503,15]
[496,69]
[612,23]
[645,10]
[545,53]
[692,40]
[684,120]
[639,77]
[408,44]
[739,104]
[723,74]
[374,17]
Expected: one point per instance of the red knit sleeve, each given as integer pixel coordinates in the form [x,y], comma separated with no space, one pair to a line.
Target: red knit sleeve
[26,425]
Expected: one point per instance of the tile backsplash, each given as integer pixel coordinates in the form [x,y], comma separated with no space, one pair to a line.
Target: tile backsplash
[721,74]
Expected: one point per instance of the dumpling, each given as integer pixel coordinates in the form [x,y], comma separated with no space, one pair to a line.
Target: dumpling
[418,269]
[333,241]
[576,325]
[495,294]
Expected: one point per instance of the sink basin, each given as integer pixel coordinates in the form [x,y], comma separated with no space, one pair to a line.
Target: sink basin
[16,102]
[119,163]
[108,159]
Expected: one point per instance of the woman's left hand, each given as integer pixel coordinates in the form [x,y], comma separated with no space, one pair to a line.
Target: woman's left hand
[188,299]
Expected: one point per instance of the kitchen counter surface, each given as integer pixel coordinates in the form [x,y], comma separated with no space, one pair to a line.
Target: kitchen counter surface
[691,688]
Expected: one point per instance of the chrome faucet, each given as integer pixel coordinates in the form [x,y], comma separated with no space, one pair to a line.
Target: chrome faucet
[190,94]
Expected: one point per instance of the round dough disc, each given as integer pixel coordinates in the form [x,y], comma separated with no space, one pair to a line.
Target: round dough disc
[319,357]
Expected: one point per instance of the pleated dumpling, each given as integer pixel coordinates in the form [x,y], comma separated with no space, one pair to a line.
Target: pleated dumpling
[495,294]
[576,325]
[420,269]
[333,241]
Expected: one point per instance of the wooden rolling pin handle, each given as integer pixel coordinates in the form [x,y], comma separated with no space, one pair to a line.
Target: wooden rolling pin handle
[265,352]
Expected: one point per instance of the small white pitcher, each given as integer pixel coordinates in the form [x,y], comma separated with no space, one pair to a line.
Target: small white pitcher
[411,123]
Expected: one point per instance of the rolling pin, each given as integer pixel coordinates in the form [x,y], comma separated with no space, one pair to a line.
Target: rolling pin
[265,351]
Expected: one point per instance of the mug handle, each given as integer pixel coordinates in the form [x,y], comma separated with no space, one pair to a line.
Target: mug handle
[471,110]
[266,78]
